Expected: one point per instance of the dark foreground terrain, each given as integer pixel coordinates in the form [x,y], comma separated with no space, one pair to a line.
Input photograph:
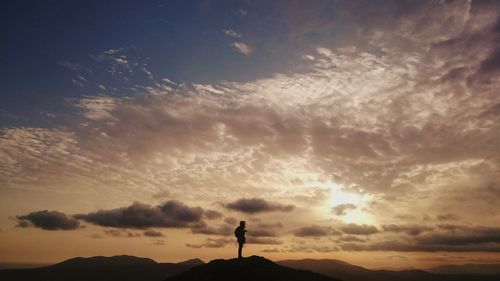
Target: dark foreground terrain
[129,268]
[349,272]
[248,269]
[123,268]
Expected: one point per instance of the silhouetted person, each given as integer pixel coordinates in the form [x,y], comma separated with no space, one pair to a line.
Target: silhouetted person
[239,232]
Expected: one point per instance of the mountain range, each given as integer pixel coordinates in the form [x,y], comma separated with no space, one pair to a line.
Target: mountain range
[349,272]
[470,268]
[130,268]
[247,269]
[122,268]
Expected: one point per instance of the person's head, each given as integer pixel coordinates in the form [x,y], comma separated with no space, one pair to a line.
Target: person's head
[242,223]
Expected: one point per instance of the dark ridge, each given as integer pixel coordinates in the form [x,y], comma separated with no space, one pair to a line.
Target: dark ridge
[119,268]
[192,262]
[469,268]
[253,268]
[102,261]
[348,272]
[129,268]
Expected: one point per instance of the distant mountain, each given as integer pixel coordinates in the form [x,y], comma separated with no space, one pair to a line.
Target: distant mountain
[470,268]
[130,268]
[192,262]
[119,268]
[348,272]
[102,261]
[330,267]
[253,268]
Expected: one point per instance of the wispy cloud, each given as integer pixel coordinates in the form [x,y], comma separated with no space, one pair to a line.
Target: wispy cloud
[231,33]
[242,48]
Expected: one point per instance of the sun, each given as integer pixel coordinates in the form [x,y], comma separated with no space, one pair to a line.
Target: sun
[357,214]
[339,197]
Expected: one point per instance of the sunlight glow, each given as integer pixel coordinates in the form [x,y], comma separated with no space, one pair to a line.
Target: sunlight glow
[338,197]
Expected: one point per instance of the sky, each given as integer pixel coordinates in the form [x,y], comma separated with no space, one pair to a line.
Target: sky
[365,131]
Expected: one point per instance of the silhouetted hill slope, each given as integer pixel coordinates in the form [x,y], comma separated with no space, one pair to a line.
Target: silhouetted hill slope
[332,268]
[129,268]
[485,269]
[119,268]
[192,262]
[253,268]
[348,272]
[102,261]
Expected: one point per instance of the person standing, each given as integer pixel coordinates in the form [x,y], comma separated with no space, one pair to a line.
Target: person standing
[239,232]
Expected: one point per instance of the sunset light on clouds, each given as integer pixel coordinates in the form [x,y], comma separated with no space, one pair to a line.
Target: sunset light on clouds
[354,130]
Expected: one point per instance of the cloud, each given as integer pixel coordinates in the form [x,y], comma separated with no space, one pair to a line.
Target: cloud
[258,234]
[467,236]
[358,229]
[257,205]
[48,220]
[242,48]
[351,238]
[227,229]
[170,214]
[408,229]
[210,243]
[96,108]
[153,233]
[452,227]
[271,250]
[122,233]
[342,209]
[207,88]
[404,247]
[315,231]
[231,220]
[181,212]
[491,64]
[312,248]
[23,224]
[231,33]
[118,60]
[74,67]
[264,241]
[403,107]
[158,242]
[212,215]
[452,239]
[95,236]
[265,230]
[361,150]
[448,217]
[202,228]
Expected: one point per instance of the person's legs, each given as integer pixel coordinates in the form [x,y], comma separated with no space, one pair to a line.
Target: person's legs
[240,247]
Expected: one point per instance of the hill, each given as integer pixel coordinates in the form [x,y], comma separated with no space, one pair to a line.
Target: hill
[348,272]
[130,268]
[192,262]
[248,269]
[100,261]
[120,268]
[470,268]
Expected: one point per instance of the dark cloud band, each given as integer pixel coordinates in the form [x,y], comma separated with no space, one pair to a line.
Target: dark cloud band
[170,214]
[48,220]
[257,205]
